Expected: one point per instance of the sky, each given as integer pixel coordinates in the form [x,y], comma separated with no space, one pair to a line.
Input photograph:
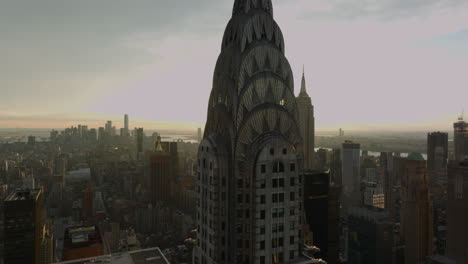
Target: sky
[369,64]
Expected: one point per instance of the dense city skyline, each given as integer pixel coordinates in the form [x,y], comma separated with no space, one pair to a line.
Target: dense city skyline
[89,63]
[234,132]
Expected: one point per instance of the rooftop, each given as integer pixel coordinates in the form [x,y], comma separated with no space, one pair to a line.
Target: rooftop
[22,195]
[142,256]
[81,236]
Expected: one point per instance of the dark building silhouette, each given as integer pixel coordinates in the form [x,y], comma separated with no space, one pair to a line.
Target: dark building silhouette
[457,212]
[370,238]
[386,166]
[416,209]
[126,126]
[437,157]
[351,174]
[248,164]
[139,140]
[23,227]
[335,167]
[460,140]
[88,199]
[159,177]
[321,208]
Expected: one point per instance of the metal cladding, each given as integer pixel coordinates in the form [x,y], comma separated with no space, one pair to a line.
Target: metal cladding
[251,136]
[253,87]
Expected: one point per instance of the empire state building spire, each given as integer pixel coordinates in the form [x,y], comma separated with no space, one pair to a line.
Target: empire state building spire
[303,85]
[307,125]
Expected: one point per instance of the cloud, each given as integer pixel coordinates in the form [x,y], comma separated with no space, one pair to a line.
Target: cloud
[379,9]
[367,61]
[63,53]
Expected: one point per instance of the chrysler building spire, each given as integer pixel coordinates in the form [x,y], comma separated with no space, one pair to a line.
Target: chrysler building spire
[251,137]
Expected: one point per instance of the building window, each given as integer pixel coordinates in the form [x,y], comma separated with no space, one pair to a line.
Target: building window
[272,151]
[239,213]
[291,254]
[262,214]
[239,198]
[292,196]
[262,230]
[292,225]
[281,182]
[291,211]
[262,184]
[292,167]
[277,212]
[278,227]
[239,243]
[263,168]
[278,167]
[262,199]
[291,240]
[240,183]
[262,259]
[262,244]
[281,197]
[292,181]
[285,151]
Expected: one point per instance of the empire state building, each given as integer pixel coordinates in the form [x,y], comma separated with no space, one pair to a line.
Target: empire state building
[250,189]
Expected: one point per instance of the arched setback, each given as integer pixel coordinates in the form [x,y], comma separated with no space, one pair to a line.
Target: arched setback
[278,200]
[213,178]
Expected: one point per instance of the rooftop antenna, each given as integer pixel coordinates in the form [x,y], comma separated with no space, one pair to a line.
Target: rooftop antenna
[461,116]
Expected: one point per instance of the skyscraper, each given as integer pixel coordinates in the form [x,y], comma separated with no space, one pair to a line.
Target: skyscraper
[386,171]
[23,227]
[200,134]
[307,125]
[335,167]
[460,140]
[321,208]
[351,174]
[437,157]
[139,140]
[126,128]
[109,127]
[457,212]
[249,209]
[416,210]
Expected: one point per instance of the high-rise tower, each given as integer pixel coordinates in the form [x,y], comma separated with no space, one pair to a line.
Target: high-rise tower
[460,139]
[250,206]
[306,124]
[416,209]
[23,226]
[126,129]
[437,157]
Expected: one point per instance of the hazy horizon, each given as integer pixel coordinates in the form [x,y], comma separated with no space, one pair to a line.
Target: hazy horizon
[391,65]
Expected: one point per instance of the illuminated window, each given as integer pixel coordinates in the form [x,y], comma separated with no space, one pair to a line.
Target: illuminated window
[282,102]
